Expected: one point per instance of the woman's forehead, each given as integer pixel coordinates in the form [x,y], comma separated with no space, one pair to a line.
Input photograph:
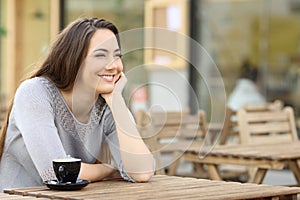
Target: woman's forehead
[103,38]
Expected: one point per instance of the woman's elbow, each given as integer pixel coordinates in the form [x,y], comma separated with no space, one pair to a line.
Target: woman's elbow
[141,178]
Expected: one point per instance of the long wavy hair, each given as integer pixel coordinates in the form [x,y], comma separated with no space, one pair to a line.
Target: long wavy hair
[65,57]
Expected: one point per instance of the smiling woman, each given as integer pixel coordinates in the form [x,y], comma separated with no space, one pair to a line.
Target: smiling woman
[73,105]
[103,58]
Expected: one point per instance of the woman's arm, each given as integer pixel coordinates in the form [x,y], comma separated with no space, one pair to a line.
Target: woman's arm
[33,116]
[136,158]
[95,172]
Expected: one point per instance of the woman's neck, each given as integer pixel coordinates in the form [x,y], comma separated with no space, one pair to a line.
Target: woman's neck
[80,103]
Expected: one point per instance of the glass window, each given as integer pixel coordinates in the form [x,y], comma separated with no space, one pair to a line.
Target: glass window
[265,32]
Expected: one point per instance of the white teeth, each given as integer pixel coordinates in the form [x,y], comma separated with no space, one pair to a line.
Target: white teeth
[108,77]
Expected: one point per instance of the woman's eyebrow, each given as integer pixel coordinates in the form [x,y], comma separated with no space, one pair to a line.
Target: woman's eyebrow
[105,50]
[100,49]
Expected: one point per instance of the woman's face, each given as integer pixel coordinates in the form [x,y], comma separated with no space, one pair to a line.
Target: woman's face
[102,67]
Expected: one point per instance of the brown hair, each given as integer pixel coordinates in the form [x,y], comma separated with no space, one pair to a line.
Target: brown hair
[248,71]
[65,57]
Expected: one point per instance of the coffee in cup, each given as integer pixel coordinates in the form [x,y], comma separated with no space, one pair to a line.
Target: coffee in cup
[67,169]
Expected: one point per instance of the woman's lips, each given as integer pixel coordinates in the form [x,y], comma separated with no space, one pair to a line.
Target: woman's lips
[108,78]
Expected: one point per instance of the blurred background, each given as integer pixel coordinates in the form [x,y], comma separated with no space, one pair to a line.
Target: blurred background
[181,74]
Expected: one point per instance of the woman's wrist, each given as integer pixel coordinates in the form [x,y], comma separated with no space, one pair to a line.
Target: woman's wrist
[114,100]
[95,172]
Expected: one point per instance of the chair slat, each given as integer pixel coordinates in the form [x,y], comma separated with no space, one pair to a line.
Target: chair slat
[266,116]
[277,127]
[271,138]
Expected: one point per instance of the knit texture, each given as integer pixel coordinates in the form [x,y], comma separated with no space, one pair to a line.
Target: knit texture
[42,128]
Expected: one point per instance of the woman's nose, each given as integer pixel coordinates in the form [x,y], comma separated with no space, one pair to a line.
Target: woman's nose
[115,64]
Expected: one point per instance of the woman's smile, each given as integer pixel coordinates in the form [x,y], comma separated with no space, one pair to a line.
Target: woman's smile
[107,77]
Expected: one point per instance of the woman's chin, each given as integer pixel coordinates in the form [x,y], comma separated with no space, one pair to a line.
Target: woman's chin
[105,91]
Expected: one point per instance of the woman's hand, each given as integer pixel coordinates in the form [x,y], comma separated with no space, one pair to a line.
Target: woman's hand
[119,86]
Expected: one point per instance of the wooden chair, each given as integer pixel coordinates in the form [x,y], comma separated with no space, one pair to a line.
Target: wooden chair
[230,134]
[262,126]
[168,134]
[267,126]
[231,128]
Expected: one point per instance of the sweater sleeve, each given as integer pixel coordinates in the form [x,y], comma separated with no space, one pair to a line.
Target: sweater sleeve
[34,117]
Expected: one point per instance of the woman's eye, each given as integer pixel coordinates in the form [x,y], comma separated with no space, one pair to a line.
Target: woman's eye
[119,55]
[100,55]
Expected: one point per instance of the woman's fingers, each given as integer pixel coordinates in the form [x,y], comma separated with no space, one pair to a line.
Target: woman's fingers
[120,83]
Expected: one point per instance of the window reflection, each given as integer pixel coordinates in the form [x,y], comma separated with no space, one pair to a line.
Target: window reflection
[267,32]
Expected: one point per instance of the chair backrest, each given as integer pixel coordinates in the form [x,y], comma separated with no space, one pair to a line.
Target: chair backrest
[169,132]
[231,128]
[267,125]
[269,106]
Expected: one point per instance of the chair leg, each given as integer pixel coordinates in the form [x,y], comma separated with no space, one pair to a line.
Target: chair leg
[293,164]
[213,172]
[259,175]
[198,168]
[172,169]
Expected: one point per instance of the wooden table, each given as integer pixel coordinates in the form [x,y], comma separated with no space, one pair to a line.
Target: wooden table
[261,156]
[161,187]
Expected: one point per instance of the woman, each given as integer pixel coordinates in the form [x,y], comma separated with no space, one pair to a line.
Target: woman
[246,90]
[72,106]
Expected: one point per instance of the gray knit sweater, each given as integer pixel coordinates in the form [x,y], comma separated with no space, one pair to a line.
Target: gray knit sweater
[42,128]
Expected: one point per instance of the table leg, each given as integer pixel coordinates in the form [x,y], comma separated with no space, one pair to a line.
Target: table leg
[295,169]
[213,172]
[259,175]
